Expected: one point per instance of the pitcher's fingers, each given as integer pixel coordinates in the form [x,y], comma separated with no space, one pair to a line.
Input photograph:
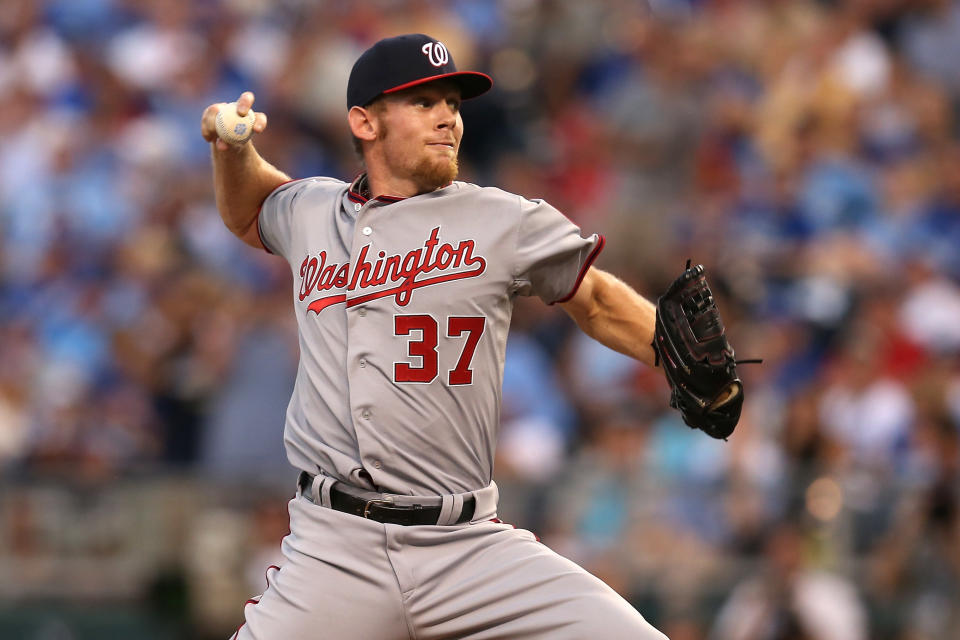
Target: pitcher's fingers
[260,123]
[244,102]
[208,122]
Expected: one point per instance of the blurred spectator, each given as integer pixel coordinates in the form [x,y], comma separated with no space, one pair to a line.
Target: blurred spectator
[930,309]
[791,599]
[243,435]
[915,569]
[866,412]
[929,40]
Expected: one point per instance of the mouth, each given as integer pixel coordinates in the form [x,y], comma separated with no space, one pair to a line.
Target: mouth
[448,145]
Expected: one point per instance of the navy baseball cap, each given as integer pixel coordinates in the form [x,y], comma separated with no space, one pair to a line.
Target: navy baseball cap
[398,63]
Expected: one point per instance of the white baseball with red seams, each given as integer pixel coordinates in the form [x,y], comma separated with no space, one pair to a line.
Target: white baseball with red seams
[232,127]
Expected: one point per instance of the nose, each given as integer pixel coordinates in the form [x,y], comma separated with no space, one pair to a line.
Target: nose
[447,117]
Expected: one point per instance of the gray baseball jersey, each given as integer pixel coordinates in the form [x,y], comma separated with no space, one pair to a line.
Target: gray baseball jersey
[403,307]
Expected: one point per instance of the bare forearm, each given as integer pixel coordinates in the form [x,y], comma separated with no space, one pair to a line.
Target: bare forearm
[611,312]
[242,180]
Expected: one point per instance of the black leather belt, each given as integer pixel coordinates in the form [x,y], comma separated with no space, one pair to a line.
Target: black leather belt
[381,510]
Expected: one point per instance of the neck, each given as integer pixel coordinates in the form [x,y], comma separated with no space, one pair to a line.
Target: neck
[384,180]
[383,184]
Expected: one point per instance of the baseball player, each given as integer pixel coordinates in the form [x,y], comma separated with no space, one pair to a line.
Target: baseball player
[403,286]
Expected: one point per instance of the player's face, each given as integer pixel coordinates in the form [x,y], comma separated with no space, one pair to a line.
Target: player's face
[419,134]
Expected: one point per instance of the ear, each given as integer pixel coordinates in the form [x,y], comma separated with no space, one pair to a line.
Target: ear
[363,124]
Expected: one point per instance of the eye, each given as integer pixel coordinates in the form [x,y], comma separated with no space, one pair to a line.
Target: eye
[454,104]
[422,102]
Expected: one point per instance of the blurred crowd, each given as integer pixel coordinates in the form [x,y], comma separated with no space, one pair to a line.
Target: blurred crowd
[805,151]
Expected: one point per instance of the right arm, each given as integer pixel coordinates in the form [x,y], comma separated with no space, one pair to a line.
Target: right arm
[242,180]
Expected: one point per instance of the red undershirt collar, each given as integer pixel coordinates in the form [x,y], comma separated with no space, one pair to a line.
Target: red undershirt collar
[360,192]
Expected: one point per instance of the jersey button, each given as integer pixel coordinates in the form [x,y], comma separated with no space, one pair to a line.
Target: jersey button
[362,312]
[356,206]
[366,231]
[376,463]
[363,362]
[365,414]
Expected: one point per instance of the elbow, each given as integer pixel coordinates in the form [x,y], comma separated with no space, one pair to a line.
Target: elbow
[590,319]
[590,315]
[243,230]
[601,302]
[239,223]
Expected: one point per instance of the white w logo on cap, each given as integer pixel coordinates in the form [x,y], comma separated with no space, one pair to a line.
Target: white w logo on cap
[436,53]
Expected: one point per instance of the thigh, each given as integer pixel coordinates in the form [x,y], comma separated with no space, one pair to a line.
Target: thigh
[336,581]
[492,581]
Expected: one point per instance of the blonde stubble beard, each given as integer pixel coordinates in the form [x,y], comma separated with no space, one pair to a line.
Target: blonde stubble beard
[430,174]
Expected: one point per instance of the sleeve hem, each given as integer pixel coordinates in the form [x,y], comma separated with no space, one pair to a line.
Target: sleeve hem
[583,270]
[260,210]
[260,234]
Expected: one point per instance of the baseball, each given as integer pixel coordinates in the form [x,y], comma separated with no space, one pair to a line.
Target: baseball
[232,127]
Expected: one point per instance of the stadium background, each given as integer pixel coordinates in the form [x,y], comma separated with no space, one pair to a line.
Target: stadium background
[805,151]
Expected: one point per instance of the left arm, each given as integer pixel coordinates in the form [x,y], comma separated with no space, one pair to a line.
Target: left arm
[611,312]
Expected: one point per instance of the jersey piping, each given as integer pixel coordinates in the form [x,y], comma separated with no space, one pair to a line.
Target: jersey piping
[583,270]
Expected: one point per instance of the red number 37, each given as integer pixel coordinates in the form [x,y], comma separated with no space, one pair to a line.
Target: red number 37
[425,348]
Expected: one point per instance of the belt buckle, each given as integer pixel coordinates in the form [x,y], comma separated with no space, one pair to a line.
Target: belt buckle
[366,507]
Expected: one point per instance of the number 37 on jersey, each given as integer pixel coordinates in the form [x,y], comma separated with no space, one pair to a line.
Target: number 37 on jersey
[424,345]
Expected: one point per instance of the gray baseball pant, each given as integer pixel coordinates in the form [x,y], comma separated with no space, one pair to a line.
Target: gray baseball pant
[345,577]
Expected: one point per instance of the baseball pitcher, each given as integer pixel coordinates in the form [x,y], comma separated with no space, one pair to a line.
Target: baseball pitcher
[403,286]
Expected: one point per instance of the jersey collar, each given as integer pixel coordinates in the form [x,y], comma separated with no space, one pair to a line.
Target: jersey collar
[360,192]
